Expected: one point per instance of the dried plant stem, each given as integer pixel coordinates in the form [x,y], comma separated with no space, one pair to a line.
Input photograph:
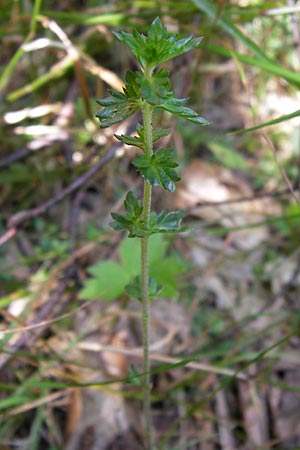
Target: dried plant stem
[147,119]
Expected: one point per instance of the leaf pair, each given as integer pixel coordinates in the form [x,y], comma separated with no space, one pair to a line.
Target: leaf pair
[158,169]
[139,140]
[148,85]
[133,222]
[138,89]
[120,105]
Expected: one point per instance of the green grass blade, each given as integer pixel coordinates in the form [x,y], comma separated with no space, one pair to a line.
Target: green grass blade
[36,428]
[57,71]
[4,79]
[260,60]
[211,11]
[113,19]
[269,123]
[289,75]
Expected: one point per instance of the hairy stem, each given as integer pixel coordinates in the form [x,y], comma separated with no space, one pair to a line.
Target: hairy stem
[147,119]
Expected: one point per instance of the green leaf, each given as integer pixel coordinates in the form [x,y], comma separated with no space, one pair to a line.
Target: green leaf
[133,205]
[212,11]
[268,123]
[134,289]
[158,170]
[136,141]
[139,140]
[130,255]
[176,107]
[158,46]
[228,157]
[167,274]
[166,222]
[156,88]
[120,105]
[271,67]
[108,281]
[158,245]
[131,221]
[116,108]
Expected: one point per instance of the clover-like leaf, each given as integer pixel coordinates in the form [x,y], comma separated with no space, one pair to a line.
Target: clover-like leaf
[158,46]
[158,170]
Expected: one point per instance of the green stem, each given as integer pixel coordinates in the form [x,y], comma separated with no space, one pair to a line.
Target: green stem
[147,119]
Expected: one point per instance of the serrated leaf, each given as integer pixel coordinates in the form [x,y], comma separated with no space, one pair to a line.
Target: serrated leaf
[158,46]
[131,140]
[134,289]
[169,221]
[120,105]
[166,222]
[176,107]
[159,133]
[131,221]
[158,170]
[115,109]
[108,282]
[156,88]
[133,205]
[138,141]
